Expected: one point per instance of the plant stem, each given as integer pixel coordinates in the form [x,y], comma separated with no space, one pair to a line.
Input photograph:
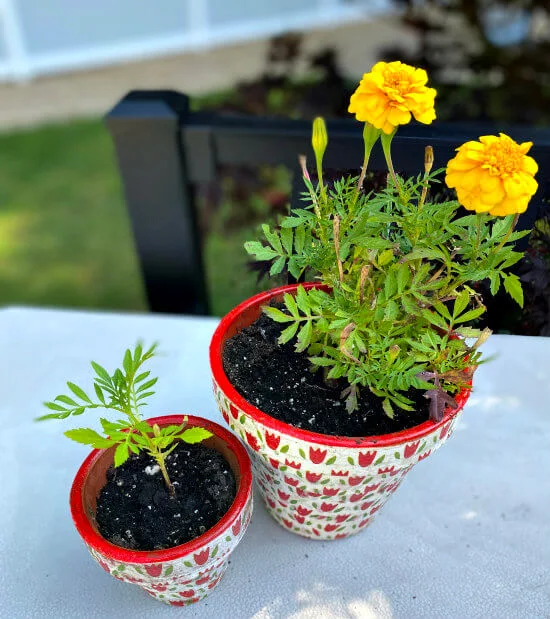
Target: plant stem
[320,179]
[160,461]
[336,229]
[386,140]
[370,137]
[507,235]
[478,233]
[317,210]
[157,454]
[361,177]
[436,274]
[153,450]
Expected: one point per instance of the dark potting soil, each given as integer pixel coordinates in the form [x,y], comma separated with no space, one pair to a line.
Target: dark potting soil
[279,381]
[135,509]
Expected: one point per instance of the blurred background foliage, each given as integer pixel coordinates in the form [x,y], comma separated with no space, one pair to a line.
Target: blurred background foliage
[489,59]
[65,238]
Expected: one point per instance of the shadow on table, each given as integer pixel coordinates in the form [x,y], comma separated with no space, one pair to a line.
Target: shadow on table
[283,575]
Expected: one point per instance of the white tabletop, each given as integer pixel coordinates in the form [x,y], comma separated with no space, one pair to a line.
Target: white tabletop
[467,534]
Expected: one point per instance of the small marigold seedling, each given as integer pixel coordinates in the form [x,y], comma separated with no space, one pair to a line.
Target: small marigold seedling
[125,392]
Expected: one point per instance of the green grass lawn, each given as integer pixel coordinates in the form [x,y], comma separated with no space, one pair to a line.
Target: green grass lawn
[65,236]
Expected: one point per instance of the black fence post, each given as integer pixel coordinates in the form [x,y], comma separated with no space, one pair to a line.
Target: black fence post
[146,130]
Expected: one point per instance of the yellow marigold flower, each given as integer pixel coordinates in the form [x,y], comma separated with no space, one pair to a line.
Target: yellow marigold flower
[388,95]
[494,175]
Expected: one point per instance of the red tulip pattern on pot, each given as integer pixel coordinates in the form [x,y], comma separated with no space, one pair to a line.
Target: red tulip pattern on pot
[187,579]
[324,491]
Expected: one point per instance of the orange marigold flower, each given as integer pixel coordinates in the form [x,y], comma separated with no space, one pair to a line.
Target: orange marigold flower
[494,175]
[388,95]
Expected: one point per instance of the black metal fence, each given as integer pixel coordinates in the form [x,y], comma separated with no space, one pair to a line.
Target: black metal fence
[164,151]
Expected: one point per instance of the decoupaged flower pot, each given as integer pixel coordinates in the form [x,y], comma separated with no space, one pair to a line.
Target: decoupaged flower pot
[315,485]
[183,574]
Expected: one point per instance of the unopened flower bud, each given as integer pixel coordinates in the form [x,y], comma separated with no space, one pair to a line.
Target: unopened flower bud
[428,159]
[319,137]
[156,430]
[303,164]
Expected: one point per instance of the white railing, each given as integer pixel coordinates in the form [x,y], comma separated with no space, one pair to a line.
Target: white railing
[15,64]
[198,31]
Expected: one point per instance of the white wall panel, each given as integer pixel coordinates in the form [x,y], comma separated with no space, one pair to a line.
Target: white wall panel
[48,36]
[228,12]
[64,25]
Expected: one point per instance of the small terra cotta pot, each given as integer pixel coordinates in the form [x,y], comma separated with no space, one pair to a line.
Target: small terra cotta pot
[319,486]
[183,574]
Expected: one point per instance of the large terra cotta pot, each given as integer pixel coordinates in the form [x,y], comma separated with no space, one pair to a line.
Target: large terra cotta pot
[183,574]
[319,486]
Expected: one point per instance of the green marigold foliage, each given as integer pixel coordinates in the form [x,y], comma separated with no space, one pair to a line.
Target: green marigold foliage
[397,270]
[124,392]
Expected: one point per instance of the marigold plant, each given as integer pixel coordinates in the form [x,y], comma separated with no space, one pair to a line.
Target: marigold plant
[398,304]
[125,392]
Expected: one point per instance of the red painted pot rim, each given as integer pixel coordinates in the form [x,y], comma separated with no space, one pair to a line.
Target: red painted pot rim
[124,555]
[383,440]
